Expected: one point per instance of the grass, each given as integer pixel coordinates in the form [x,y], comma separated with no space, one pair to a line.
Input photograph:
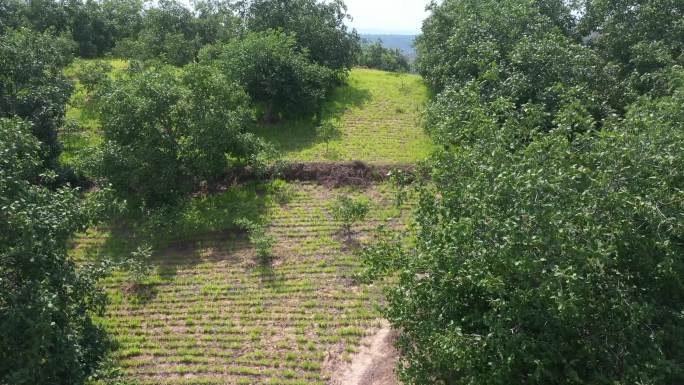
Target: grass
[213,315]
[375,119]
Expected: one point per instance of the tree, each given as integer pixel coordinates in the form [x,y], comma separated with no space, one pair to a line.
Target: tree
[542,264]
[375,55]
[282,80]
[642,38]
[319,28]
[32,85]
[164,133]
[47,335]
[550,230]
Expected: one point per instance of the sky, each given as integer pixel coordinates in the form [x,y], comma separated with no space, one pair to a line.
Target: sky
[387,16]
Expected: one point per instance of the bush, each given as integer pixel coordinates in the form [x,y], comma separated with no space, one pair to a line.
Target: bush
[47,304]
[166,132]
[32,85]
[348,211]
[319,28]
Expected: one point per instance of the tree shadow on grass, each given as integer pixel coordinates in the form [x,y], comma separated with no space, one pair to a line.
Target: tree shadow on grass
[198,230]
[299,134]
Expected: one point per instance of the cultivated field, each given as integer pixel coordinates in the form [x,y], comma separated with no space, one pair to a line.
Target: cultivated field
[210,314]
[376,119]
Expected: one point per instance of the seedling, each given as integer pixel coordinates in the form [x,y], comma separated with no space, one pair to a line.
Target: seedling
[262,242]
[349,211]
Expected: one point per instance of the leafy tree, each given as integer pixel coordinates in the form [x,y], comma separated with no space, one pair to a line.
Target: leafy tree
[542,265]
[32,85]
[375,55]
[95,26]
[164,132]
[642,38]
[551,229]
[168,34]
[319,27]
[174,34]
[278,77]
[47,335]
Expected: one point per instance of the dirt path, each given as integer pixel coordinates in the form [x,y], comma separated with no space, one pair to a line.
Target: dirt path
[374,363]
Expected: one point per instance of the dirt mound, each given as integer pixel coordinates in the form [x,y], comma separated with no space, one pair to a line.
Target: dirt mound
[374,363]
[340,174]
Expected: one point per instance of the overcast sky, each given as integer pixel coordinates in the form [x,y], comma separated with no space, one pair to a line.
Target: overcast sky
[387,16]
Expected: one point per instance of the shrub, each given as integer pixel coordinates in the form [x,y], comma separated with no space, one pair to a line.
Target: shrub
[375,55]
[32,85]
[279,78]
[93,74]
[318,27]
[348,211]
[139,266]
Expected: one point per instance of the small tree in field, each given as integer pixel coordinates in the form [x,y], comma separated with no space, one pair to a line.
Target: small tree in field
[348,211]
[262,242]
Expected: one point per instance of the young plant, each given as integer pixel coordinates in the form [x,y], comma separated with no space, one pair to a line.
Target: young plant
[348,211]
[262,242]
[327,132]
[138,265]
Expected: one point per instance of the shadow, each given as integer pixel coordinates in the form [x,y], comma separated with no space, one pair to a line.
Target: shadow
[299,134]
[198,230]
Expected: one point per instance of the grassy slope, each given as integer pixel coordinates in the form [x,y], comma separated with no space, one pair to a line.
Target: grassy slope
[376,117]
[212,315]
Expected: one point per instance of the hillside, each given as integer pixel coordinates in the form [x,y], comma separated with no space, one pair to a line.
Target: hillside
[375,118]
[210,313]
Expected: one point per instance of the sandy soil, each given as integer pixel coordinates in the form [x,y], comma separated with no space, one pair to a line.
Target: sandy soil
[374,363]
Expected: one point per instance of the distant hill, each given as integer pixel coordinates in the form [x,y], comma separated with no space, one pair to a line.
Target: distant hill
[402,42]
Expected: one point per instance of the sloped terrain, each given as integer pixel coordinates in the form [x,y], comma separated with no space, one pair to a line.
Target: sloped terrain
[211,314]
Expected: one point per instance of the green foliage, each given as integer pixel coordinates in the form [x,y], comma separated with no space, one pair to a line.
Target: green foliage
[319,28]
[94,26]
[32,85]
[92,75]
[138,265]
[47,334]
[375,55]
[165,132]
[259,238]
[348,211]
[274,73]
[551,230]
[540,255]
[174,34]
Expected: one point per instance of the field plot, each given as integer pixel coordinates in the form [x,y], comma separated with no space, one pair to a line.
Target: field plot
[210,314]
[374,119]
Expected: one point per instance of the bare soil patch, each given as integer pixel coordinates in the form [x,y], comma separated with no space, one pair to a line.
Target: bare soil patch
[374,364]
